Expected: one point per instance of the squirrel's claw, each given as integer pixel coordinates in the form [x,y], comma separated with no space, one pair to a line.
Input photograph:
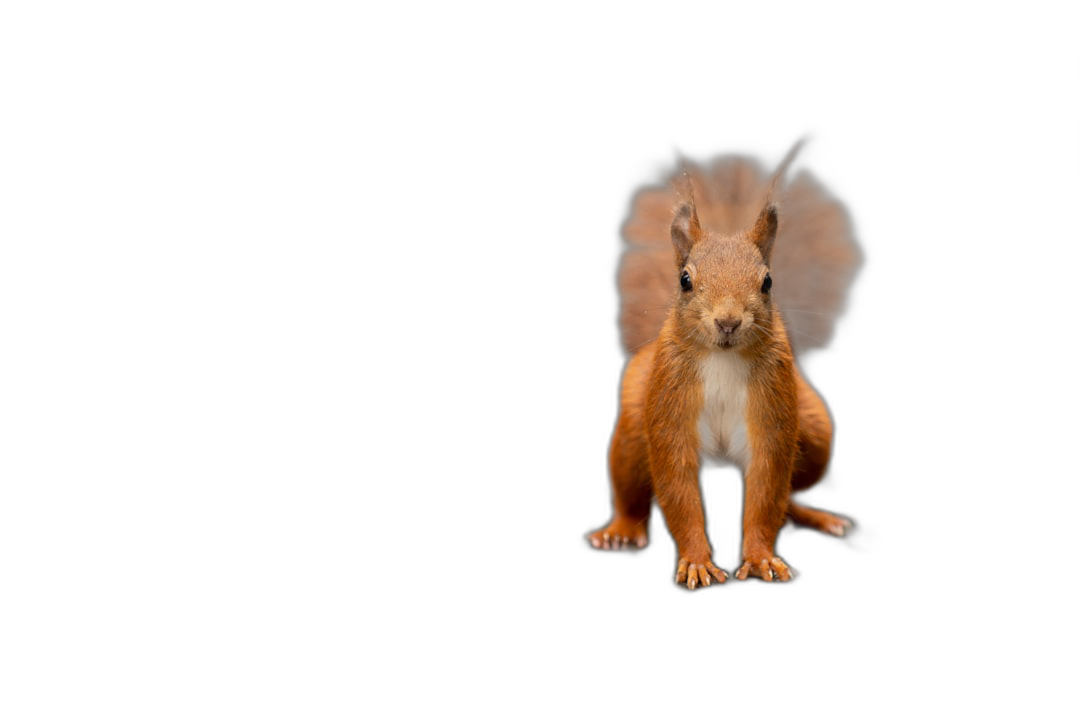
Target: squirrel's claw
[694,574]
[768,569]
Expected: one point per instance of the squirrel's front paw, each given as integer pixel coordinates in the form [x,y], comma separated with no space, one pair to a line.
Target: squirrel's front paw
[766,567]
[694,574]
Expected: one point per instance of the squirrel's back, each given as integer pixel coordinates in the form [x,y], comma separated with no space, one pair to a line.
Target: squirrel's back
[814,260]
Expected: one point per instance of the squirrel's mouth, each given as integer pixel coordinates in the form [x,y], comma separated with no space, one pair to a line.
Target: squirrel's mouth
[727,342]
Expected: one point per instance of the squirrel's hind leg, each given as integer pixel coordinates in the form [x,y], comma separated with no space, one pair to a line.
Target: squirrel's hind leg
[631,487]
[815,447]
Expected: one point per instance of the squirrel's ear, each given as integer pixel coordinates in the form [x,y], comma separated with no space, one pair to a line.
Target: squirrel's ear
[685,231]
[764,232]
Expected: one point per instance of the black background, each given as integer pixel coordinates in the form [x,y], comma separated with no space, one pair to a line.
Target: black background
[933,177]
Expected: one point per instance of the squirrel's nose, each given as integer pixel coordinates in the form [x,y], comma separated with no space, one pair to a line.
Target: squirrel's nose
[728,325]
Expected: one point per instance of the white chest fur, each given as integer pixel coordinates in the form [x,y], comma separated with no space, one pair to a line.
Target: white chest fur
[722,425]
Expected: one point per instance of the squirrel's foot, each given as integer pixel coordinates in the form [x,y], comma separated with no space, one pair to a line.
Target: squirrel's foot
[694,574]
[766,567]
[819,520]
[621,533]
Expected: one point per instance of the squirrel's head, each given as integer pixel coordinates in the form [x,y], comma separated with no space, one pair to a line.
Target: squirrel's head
[725,300]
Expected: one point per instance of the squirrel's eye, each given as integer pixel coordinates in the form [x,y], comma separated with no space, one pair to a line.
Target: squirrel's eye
[767,285]
[684,279]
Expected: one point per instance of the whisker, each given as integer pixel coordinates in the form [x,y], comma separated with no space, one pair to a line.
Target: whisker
[806,334]
[767,337]
[764,332]
[761,328]
[703,337]
[638,347]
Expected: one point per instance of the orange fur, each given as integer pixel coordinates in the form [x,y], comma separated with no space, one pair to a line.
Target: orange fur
[724,313]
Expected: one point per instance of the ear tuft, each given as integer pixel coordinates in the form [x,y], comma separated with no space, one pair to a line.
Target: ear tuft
[764,231]
[685,231]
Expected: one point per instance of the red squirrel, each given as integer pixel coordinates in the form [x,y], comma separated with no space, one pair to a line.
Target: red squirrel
[716,374]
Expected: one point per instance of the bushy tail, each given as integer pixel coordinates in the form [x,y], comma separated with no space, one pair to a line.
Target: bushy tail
[814,260]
